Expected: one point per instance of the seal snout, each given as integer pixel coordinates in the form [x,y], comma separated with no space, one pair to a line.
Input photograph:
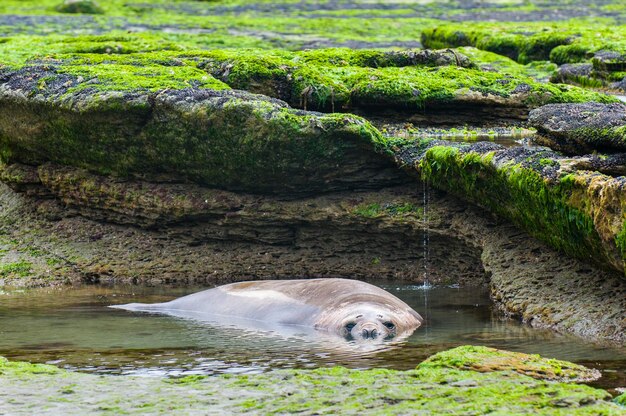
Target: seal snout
[369,330]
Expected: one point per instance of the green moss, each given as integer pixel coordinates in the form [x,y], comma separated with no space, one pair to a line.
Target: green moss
[22,369]
[621,399]
[18,269]
[135,72]
[192,379]
[620,241]
[611,137]
[537,70]
[376,210]
[561,42]
[571,54]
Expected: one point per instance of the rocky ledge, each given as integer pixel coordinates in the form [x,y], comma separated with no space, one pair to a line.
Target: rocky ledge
[565,201]
[69,225]
[229,139]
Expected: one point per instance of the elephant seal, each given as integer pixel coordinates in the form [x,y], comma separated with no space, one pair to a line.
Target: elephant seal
[352,309]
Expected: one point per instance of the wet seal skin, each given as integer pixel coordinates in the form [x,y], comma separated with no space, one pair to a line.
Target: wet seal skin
[353,310]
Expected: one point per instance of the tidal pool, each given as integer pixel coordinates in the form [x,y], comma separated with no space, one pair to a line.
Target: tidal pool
[73,328]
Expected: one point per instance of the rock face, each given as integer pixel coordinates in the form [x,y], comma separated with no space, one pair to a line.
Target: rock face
[581,128]
[156,233]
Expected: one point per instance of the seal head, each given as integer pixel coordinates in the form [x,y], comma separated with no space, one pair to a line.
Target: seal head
[377,320]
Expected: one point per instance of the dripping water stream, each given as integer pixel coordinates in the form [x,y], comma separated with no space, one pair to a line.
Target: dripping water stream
[426,248]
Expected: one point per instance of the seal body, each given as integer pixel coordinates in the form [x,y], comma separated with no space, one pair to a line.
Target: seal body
[350,308]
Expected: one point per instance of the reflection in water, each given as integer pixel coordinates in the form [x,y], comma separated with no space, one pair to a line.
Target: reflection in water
[73,328]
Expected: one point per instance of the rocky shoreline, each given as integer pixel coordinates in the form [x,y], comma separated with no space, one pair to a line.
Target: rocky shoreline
[462,380]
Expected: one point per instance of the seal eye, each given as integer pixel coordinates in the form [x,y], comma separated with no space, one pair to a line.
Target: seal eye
[350,325]
[389,325]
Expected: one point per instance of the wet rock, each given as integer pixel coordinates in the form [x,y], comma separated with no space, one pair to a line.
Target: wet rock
[485,359]
[574,73]
[532,283]
[609,61]
[582,128]
[619,85]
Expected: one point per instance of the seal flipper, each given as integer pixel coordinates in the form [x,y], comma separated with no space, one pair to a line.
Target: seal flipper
[139,307]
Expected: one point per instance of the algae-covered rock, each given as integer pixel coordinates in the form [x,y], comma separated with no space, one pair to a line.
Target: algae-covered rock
[228,139]
[436,390]
[502,39]
[579,73]
[581,128]
[80,6]
[582,213]
[609,61]
[590,54]
[484,359]
[413,81]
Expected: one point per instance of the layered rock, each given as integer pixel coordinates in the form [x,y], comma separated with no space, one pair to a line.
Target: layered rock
[415,83]
[146,232]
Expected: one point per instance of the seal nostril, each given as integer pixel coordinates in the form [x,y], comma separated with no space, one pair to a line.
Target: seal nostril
[373,333]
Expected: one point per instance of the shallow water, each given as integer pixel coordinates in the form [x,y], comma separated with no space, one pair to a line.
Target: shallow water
[73,328]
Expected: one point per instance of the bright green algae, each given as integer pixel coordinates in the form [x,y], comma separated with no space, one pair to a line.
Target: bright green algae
[572,42]
[429,389]
[560,42]
[329,79]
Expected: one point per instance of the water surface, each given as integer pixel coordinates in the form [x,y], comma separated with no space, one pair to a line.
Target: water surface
[74,328]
